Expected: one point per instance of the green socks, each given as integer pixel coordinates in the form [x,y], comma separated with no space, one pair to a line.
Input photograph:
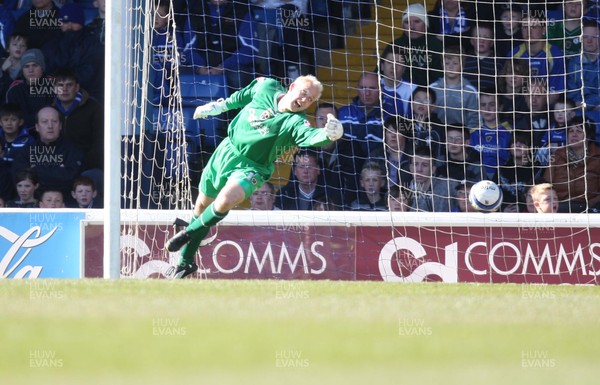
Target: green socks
[208,218]
[198,229]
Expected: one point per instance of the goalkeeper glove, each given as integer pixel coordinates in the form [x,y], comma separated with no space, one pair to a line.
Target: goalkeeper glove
[210,109]
[333,128]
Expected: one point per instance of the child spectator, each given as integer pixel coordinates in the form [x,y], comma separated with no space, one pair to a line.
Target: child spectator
[461,161]
[397,199]
[544,198]
[84,193]
[456,98]
[566,33]
[563,111]
[395,155]
[427,129]
[394,90]
[512,84]
[11,65]
[263,198]
[372,183]
[429,193]
[583,75]
[52,199]
[13,133]
[536,123]
[461,191]
[546,61]
[26,186]
[35,90]
[575,169]
[482,66]
[519,172]
[492,139]
[508,29]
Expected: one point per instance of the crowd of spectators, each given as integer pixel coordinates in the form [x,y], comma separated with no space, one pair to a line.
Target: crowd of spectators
[51,103]
[463,99]
[504,91]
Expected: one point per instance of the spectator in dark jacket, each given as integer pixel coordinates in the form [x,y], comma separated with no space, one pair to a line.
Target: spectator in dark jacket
[83,118]
[40,24]
[55,159]
[307,188]
[34,90]
[12,131]
[72,48]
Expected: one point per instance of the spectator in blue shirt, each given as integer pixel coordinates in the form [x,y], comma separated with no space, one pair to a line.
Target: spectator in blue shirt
[362,118]
[12,132]
[546,60]
[395,91]
[493,138]
[583,79]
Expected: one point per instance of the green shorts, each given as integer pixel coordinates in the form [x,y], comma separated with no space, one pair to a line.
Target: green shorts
[225,164]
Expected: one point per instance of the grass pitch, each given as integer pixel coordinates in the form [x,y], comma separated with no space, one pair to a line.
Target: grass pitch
[296,332]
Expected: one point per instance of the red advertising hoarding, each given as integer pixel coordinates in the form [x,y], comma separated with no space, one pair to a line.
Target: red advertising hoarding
[560,255]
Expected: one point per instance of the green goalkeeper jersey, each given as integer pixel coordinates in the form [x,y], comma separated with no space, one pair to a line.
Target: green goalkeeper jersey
[260,132]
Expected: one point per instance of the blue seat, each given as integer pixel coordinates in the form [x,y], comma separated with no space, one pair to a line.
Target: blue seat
[199,89]
[202,132]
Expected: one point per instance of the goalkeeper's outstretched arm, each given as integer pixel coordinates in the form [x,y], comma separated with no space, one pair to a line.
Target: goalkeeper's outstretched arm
[211,109]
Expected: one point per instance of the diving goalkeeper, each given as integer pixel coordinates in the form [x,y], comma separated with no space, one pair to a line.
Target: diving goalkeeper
[271,121]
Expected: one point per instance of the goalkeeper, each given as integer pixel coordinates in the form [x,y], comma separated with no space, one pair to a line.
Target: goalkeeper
[271,122]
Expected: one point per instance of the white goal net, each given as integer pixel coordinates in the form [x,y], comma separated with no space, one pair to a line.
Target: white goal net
[434,97]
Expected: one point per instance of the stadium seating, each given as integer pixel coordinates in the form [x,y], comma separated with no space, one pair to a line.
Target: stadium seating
[197,89]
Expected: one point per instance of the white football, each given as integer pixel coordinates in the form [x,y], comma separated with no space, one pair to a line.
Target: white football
[485,196]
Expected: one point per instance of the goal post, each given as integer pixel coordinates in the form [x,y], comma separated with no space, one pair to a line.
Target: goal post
[114,116]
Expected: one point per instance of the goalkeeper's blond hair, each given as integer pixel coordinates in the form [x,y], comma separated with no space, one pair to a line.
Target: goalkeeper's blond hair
[313,80]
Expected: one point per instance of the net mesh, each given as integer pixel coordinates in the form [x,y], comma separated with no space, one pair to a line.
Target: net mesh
[434,96]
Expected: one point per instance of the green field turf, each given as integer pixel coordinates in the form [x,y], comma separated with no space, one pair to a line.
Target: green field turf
[296,332]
